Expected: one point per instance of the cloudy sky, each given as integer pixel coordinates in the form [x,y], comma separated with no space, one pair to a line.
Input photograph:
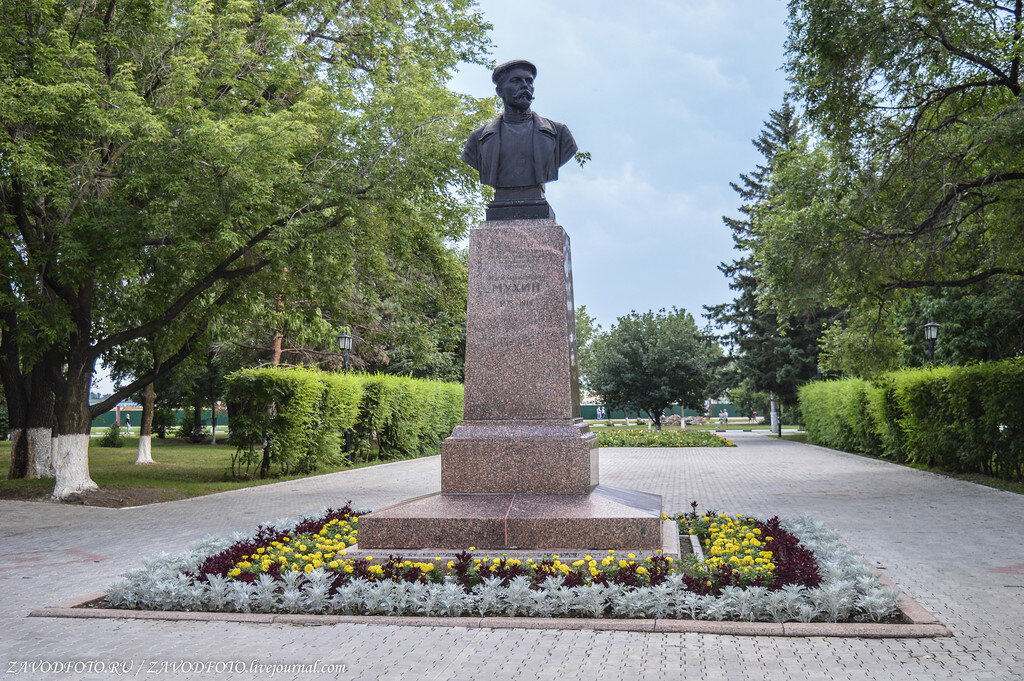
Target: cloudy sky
[666,96]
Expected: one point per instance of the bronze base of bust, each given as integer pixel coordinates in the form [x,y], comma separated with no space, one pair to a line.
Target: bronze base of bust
[520,203]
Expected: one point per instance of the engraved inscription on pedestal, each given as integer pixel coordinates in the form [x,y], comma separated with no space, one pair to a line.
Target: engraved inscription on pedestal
[520,329]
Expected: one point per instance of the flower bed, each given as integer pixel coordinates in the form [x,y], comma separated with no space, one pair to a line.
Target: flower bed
[754,571]
[664,438]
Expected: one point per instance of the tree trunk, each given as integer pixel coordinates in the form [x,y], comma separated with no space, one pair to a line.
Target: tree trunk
[71,462]
[38,423]
[213,422]
[776,426]
[39,452]
[19,453]
[275,348]
[14,392]
[146,427]
[197,420]
[656,418]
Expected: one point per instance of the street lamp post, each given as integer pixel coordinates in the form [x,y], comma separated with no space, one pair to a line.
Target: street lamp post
[345,343]
[931,332]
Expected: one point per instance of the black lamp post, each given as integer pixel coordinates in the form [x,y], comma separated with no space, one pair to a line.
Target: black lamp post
[931,332]
[345,343]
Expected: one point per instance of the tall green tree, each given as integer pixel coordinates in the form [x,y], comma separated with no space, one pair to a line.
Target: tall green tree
[770,352]
[650,361]
[183,159]
[915,179]
[587,332]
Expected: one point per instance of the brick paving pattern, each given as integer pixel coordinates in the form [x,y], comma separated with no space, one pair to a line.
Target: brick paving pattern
[952,545]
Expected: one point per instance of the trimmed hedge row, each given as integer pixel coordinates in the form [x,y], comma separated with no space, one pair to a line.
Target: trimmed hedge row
[296,419]
[965,419]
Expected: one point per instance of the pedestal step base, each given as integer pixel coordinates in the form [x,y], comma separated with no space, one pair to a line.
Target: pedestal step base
[607,518]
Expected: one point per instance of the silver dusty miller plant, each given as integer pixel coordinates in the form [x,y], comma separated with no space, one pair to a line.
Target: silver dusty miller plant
[849,590]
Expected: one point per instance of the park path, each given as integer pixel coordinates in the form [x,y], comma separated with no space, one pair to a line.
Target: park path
[952,545]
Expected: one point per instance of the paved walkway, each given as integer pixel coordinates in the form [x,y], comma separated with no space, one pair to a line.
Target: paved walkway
[953,546]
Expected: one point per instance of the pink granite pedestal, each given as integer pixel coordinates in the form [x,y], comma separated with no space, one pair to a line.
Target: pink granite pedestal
[521,469]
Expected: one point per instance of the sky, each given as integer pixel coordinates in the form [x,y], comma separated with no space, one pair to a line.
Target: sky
[666,96]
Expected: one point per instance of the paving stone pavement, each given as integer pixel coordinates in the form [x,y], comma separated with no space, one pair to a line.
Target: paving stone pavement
[952,545]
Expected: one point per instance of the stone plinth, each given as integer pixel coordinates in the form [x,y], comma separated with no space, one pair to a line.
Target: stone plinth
[520,323]
[492,457]
[607,518]
[521,470]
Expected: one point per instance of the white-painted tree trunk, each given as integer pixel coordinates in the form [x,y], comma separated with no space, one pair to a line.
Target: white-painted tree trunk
[776,425]
[40,456]
[71,466]
[53,451]
[145,450]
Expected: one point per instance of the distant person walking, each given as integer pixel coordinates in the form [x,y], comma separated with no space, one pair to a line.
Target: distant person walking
[127,424]
[725,417]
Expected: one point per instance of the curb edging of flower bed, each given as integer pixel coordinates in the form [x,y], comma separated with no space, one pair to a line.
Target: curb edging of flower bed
[923,624]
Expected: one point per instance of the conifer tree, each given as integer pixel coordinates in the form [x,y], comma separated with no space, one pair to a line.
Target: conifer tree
[767,353]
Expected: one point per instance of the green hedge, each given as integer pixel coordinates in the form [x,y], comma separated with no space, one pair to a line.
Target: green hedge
[296,419]
[964,419]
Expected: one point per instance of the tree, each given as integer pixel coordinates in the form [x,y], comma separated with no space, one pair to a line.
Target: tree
[650,361]
[771,352]
[587,331]
[915,178]
[185,160]
[984,322]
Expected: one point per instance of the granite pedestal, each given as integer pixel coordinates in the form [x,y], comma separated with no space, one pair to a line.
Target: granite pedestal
[520,470]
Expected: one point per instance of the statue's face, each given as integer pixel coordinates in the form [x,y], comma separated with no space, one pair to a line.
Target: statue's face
[516,88]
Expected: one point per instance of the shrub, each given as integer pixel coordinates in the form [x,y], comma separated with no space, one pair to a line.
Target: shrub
[162,420]
[114,437]
[403,417]
[296,419]
[965,419]
[836,415]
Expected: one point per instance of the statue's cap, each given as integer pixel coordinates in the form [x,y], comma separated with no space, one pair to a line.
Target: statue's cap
[509,65]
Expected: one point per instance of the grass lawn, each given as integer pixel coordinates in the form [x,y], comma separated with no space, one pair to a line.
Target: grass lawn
[182,470]
[977,478]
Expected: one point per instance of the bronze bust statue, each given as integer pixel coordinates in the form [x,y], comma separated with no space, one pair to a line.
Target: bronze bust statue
[520,150]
